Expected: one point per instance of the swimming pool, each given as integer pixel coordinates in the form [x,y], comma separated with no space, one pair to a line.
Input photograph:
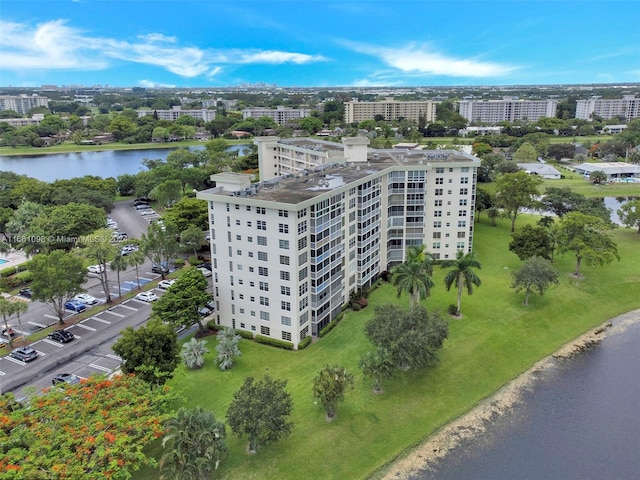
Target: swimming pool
[3,261]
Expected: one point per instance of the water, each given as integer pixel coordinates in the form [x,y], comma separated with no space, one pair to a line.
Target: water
[580,420]
[107,163]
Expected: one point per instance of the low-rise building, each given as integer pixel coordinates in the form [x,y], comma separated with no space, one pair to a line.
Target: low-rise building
[390,109]
[507,110]
[281,115]
[177,111]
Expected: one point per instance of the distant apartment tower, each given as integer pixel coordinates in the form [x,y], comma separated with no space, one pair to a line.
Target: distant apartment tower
[281,115]
[22,103]
[288,251]
[507,110]
[627,107]
[177,111]
[220,102]
[390,109]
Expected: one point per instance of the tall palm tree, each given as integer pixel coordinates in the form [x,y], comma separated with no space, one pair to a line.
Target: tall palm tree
[414,275]
[195,445]
[136,258]
[119,264]
[461,274]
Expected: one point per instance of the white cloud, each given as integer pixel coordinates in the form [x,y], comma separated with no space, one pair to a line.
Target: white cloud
[421,59]
[152,84]
[54,45]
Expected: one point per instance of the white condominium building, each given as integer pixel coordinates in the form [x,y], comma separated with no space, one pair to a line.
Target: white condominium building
[281,115]
[177,111]
[627,107]
[288,251]
[507,110]
[22,103]
[390,109]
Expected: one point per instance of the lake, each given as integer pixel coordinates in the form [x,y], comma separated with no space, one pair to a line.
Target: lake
[106,163]
[579,420]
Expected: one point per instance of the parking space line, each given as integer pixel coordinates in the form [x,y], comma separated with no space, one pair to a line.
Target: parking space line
[46,315]
[38,324]
[101,320]
[100,367]
[14,360]
[115,357]
[127,307]
[51,342]
[84,326]
[2,373]
[113,313]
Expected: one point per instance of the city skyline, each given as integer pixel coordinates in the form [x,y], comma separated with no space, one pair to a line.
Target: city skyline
[315,44]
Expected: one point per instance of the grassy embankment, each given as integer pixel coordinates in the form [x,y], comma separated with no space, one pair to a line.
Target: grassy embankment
[497,339]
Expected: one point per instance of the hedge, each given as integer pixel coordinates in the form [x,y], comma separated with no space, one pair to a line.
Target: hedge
[245,334]
[330,326]
[305,341]
[274,342]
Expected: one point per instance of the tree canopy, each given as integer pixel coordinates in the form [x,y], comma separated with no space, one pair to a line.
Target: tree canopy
[461,274]
[531,241]
[515,191]
[535,275]
[329,387]
[629,214]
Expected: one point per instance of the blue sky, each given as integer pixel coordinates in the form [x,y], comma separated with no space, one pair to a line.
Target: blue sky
[306,43]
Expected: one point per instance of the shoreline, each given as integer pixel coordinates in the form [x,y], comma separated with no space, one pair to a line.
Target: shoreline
[472,424]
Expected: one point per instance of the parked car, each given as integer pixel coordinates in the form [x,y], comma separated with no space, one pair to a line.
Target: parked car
[205,271]
[96,268]
[206,265]
[138,202]
[205,311]
[147,297]
[128,248]
[61,336]
[160,269]
[118,236]
[67,378]
[86,299]
[142,206]
[75,306]
[24,354]
[25,292]
[147,212]
[166,284]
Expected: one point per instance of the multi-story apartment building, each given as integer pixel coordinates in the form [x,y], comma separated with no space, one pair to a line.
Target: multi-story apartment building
[177,111]
[507,110]
[22,103]
[281,115]
[627,107]
[390,109]
[324,221]
[220,102]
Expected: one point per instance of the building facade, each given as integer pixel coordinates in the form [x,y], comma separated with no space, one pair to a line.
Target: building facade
[390,109]
[627,107]
[507,110]
[281,115]
[22,103]
[177,111]
[288,251]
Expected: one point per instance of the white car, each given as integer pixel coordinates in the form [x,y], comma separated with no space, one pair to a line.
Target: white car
[147,297]
[96,268]
[86,299]
[166,284]
[205,271]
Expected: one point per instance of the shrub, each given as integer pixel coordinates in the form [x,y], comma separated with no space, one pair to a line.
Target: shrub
[193,260]
[274,342]
[303,344]
[212,325]
[245,334]
[452,309]
[356,307]
[25,277]
[178,263]
[193,353]
[363,302]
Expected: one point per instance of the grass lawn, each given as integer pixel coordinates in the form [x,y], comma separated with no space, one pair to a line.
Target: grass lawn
[497,339]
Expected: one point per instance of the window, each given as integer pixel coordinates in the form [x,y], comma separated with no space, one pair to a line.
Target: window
[302,274]
[261,210]
[462,234]
[262,256]
[250,254]
[462,223]
[265,330]
[262,241]
[238,222]
[463,202]
[304,303]
[437,213]
[283,213]
[285,291]
[303,288]
[264,286]
[464,191]
[436,245]
[464,169]
[436,234]
[439,170]
[264,301]
[284,244]
[304,317]
[437,224]
[439,181]
[302,243]
[261,225]
[250,239]
[248,224]
[285,305]
[283,228]
[286,336]
[302,227]
[464,180]
[438,191]
[284,260]
[302,213]
[239,253]
[263,271]
[460,245]
[285,321]
[238,237]
[248,208]
[437,203]
[302,258]
[462,213]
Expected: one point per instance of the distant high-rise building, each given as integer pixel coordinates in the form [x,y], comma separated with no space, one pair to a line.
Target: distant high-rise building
[627,107]
[281,115]
[22,103]
[390,109]
[507,110]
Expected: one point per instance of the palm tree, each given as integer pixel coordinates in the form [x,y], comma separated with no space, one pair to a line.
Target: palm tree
[414,275]
[461,274]
[195,445]
[136,258]
[227,348]
[7,309]
[119,264]
[193,353]
[377,365]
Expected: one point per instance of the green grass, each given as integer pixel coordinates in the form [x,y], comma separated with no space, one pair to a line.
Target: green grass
[497,339]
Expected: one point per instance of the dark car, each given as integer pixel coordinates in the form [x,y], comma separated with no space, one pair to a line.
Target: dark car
[205,311]
[206,265]
[61,336]
[68,378]
[160,269]
[137,202]
[75,306]
[24,354]
[25,292]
